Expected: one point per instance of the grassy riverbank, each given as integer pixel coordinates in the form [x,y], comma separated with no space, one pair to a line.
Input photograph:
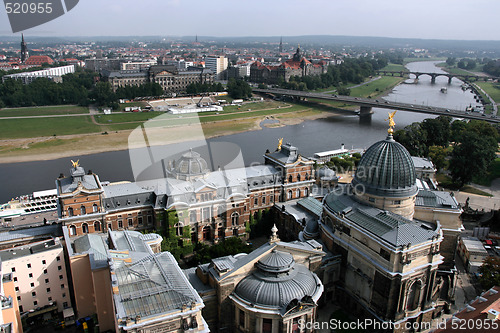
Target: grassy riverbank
[43,111]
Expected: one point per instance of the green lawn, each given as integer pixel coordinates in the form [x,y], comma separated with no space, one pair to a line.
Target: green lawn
[492,89]
[43,111]
[394,68]
[29,128]
[445,181]
[377,87]
[407,60]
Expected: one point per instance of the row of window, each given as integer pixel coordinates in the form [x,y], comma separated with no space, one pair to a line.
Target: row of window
[290,178]
[83,210]
[35,303]
[394,202]
[297,193]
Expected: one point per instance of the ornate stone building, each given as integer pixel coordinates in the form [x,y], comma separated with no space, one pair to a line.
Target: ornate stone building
[389,260]
[196,204]
[297,66]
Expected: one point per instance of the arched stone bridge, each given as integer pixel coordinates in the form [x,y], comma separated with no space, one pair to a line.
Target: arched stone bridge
[463,77]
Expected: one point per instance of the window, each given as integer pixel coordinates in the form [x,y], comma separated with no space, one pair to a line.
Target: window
[72,230]
[120,224]
[242,318]
[58,258]
[289,195]
[150,219]
[29,265]
[298,178]
[385,254]
[83,210]
[48,290]
[297,193]
[49,299]
[17,288]
[65,304]
[63,295]
[70,211]
[30,275]
[397,202]
[20,308]
[44,262]
[306,192]
[94,208]
[235,218]
[267,325]
[45,271]
[18,298]
[62,286]
[33,293]
[139,220]
[263,200]
[35,303]
[256,201]
[178,229]
[46,280]
[59,268]
[290,179]
[85,228]
[97,226]
[13,269]
[60,277]
[32,285]
[371,199]
[130,223]
[15,279]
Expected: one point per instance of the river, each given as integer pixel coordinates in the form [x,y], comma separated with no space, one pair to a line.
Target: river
[309,136]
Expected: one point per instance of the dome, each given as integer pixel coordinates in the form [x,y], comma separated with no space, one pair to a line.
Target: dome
[277,282]
[386,169]
[191,164]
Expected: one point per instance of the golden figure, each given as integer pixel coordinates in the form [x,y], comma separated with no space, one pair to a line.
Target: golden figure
[391,122]
[75,164]
[280,142]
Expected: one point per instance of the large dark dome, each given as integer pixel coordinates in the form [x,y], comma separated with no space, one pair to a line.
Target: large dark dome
[386,169]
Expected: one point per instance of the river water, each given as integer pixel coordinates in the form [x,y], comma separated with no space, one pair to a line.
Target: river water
[309,136]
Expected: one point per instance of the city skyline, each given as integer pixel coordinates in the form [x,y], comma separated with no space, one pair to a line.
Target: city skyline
[425,19]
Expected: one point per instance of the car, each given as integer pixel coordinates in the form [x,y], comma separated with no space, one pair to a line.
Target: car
[448,110]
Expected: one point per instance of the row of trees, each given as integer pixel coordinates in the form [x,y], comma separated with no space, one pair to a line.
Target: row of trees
[468,147]
[239,89]
[198,88]
[492,67]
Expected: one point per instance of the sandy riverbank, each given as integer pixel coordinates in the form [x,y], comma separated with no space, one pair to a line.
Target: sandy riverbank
[49,148]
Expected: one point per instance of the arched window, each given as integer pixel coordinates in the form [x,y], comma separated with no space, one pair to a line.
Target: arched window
[94,208]
[70,211]
[192,216]
[97,226]
[290,195]
[85,228]
[178,229]
[298,178]
[290,179]
[72,230]
[235,217]
[307,176]
[83,210]
[306,192]
[298,193]
[207,233]
[413,298]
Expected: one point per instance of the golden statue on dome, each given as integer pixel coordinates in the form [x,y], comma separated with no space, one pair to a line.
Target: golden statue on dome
[391,122]
[75,164]
[280,142]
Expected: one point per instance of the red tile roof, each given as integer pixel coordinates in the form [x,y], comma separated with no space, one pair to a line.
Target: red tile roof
[38,60]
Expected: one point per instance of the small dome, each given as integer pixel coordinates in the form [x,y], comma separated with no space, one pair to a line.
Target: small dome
[276,262]
[277,282]
[191,164]
[386,169]
[311,230]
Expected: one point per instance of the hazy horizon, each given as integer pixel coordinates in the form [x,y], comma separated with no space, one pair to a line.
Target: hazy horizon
[423,19]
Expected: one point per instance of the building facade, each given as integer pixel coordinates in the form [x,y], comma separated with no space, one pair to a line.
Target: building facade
[218,65]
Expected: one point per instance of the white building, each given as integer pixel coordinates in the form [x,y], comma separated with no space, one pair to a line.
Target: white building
[39,274]
[217,64]
[472,253]
[54,74]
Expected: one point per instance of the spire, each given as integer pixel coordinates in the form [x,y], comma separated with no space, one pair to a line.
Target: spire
[281,44]
[274,235]
[24,50]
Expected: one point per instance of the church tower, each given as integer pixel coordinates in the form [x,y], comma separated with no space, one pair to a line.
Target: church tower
[281,45]
[24,50]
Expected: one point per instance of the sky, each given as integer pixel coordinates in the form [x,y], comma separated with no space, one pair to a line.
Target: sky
[426,19]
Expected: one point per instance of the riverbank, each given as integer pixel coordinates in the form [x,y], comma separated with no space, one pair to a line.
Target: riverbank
[49,148]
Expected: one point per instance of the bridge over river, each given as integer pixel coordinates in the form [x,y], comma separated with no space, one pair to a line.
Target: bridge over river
[366,104]
[433,76]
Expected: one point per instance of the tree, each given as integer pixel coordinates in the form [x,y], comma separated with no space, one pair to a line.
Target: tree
[490,272]
[438,156]
[471,156]
[451,61]
[239,89]
[438,130]
[413,138]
